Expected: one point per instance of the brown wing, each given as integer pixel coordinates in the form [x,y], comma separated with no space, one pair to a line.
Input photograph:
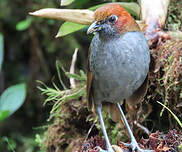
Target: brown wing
[137,96]
[89,84]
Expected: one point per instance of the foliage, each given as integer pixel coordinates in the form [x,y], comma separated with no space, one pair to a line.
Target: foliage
[3,114]
[60,97]
[13,97]
[180,147]
[11,100]
[175,117]
[66,2]
[174,18]
[166,76]
[40,140]
[1,50]
[11,143]
[24,24]
[68,28]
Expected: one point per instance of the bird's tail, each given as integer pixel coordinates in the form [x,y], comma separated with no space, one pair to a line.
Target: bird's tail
[114,113]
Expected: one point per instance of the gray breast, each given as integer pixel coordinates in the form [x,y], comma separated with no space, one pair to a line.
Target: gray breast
[119,66]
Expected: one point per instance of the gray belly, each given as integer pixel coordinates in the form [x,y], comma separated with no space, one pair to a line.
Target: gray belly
[119,66]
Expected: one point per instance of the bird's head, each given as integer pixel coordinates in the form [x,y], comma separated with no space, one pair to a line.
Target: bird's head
[111,19]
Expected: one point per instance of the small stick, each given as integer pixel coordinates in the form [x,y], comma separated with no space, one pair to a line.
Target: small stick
[72,68]
[80,16]
[90,130]
[142,127]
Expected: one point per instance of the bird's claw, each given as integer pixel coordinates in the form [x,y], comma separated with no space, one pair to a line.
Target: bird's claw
[135,147]
[101,150]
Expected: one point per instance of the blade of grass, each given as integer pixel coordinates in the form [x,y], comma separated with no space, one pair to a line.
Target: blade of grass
[59,73]
[175,117]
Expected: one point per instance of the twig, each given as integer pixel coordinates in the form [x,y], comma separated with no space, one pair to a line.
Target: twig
[80,16]
[142,127]
[72,68]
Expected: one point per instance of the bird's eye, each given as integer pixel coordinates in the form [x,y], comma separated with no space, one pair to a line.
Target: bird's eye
[113,19]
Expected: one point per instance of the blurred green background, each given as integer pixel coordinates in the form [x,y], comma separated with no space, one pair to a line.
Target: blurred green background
[30,52]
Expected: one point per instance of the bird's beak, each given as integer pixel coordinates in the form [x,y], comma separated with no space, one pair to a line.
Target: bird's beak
[94,27]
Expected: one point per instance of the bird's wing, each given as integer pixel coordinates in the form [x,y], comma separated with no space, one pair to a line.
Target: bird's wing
[89,84]
[137,96]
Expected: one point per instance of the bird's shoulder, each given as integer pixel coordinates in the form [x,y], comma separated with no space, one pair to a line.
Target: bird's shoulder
[133,40]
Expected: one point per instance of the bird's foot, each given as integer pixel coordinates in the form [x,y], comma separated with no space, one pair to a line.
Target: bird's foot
[135,147]
[101,150]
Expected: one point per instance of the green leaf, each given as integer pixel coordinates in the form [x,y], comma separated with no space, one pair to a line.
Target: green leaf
[12,98]
[23,25]
[132,8]
[1,50]
[75,76]
[3,114]
[11,143]
[180,147]
[69,27]
[66,2]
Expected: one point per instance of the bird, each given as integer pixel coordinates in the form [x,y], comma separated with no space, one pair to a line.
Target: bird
[118,66]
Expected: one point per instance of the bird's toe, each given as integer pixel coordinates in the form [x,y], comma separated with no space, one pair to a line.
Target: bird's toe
[135,147]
